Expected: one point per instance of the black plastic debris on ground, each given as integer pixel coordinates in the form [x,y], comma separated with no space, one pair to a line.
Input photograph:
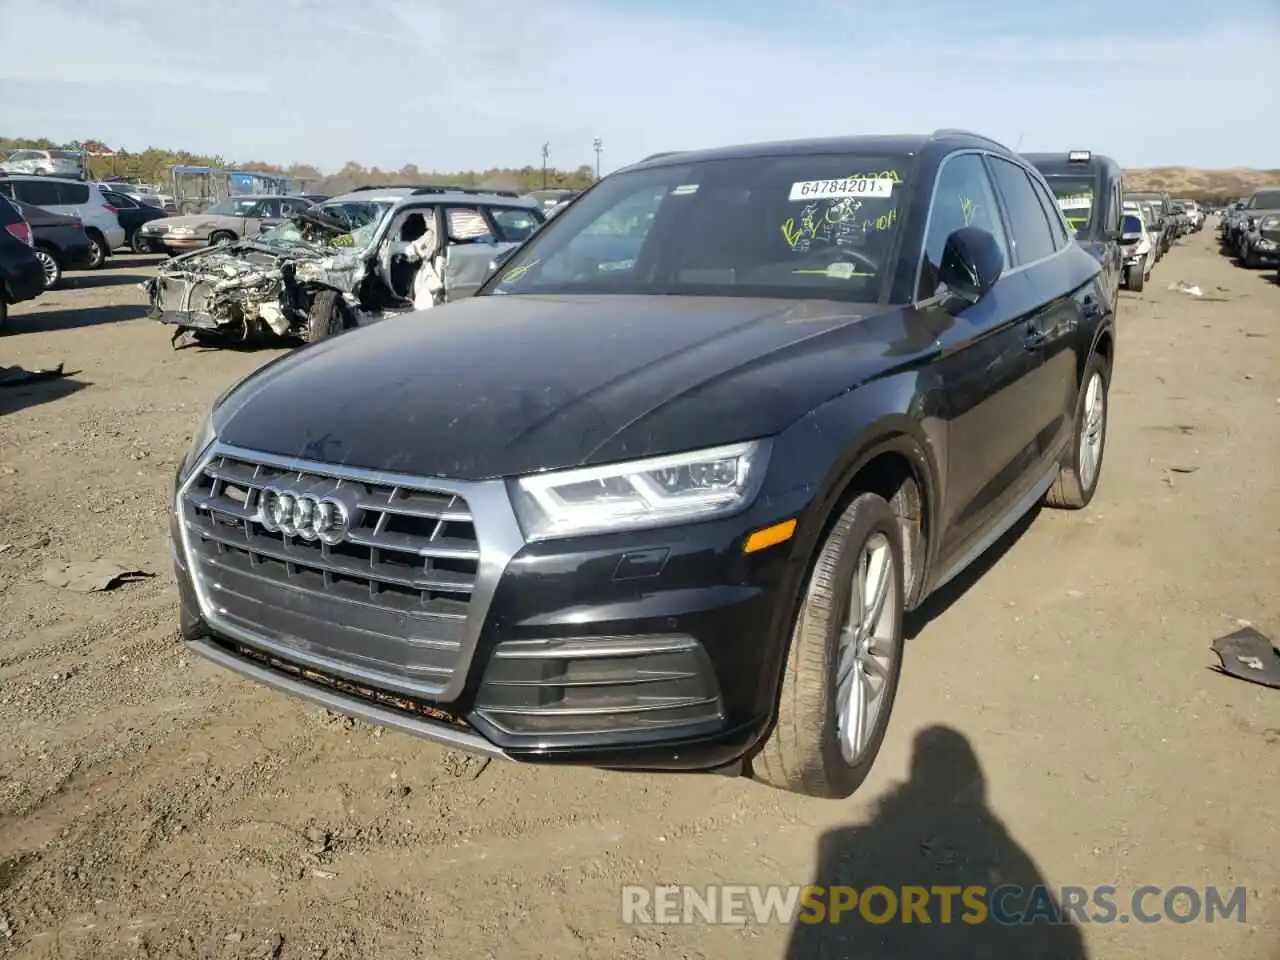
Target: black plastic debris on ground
[17,377]
[1249,655]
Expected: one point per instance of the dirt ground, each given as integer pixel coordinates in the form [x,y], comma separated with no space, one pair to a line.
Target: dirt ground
[1058,720]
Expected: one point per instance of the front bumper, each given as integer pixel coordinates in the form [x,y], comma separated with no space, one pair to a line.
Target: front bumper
[645,650]
[1264,252]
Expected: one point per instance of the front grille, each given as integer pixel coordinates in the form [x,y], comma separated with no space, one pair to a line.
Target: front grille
[387,605]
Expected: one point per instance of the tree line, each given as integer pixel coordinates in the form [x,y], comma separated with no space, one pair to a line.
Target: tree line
[152,166]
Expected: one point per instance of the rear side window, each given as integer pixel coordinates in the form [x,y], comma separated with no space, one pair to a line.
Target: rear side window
[514,223]
[1131,224]
[120,201]
[38,193]
[467,225]
[72,193]
[1031,237]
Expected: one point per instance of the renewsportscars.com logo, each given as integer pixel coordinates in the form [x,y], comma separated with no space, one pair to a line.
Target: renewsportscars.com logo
[1008,905]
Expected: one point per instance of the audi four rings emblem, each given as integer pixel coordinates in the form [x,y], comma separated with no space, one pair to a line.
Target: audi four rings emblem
[303,515]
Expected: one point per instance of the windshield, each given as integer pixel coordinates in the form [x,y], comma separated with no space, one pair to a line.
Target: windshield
[815,226]
[234,207]
[1264,200]
[1075,199]
[361,217]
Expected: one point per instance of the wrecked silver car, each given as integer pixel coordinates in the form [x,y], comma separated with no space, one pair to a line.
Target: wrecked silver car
[352,260]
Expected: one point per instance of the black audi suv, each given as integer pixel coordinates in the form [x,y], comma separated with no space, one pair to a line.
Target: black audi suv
[661,494]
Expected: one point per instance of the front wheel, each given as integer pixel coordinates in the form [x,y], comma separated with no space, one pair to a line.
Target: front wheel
[1078,477]
[138,243]
[841,675]
[221,236]
[328,316]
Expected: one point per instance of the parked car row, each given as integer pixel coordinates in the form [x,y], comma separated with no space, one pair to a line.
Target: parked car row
[1249,229]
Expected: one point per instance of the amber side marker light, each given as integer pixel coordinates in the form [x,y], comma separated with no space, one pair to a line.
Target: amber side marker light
[770,536]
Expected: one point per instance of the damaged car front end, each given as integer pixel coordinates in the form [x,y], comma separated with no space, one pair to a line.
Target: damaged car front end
[301,280]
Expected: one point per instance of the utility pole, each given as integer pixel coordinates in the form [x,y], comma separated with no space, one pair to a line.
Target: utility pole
[597,144]
[546,152]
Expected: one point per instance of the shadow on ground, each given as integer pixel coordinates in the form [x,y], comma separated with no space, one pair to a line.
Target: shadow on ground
[935,831]
[86,281]
[940,601]
[70,318]
[15,397]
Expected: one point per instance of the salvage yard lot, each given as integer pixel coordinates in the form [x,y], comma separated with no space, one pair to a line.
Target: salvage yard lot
[151,805]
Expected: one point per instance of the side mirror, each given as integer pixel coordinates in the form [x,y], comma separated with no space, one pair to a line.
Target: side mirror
[501,257]
[972,262]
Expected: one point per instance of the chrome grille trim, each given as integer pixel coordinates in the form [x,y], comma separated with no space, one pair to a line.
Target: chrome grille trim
[243,556]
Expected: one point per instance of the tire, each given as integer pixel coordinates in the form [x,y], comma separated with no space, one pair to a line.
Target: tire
[1137,276]
[328,316]
[97,250]
[1077,478]
[1247,259]
[805,753]
[221,236]
[52,268]
[4,311]
[138,243]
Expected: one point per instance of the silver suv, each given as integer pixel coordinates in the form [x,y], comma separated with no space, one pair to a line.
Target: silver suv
[343,263]
[44,163]
[72,198]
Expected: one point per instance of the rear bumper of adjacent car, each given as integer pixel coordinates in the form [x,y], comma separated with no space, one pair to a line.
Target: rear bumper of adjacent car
[25,279]
[644,650]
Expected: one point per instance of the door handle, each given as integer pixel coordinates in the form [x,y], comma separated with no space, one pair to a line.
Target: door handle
[1034,338]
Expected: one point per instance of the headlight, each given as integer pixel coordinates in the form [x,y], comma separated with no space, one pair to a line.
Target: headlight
[698,485]
[182,232]
[199,443]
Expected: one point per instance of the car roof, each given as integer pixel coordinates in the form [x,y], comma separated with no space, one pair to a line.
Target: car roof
[1061,163]
[871,144]
[32,176]
[442,196]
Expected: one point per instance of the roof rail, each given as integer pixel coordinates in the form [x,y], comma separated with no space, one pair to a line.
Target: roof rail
[422,189]
[959,132]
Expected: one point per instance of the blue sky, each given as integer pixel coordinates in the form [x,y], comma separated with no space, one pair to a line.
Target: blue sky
[458,85]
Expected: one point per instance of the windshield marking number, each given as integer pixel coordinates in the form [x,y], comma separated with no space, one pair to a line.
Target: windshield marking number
[841,189]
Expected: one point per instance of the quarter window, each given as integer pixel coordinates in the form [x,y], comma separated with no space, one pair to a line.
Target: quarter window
[963,198]
[73,194]
[1028,225]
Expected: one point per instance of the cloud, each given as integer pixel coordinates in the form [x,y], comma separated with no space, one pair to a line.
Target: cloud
[449,85]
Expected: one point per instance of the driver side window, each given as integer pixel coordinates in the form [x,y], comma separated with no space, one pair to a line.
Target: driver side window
[963,198]
[612,243]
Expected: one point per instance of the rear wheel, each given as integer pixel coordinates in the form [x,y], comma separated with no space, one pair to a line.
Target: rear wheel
[221,236]
[844,661]
[52,269]
[1136,276]
[97,250]
[1078,478]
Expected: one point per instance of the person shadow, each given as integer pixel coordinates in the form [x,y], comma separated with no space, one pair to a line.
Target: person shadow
[935,831]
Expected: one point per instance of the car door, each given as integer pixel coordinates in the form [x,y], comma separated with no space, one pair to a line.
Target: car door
[983,377]
[472,243]
[259,216]
[1055,305]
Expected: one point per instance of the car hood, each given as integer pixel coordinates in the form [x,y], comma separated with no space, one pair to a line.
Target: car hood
[507,385]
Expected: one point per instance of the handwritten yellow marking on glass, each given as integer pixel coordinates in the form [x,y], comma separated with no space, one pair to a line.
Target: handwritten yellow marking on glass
[517,273]
[808,226]
[344,240]
[968,208]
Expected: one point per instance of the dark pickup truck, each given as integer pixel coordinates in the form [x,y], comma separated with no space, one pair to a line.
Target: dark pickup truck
[59,242]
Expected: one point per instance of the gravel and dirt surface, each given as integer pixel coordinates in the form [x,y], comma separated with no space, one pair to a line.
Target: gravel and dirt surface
[1058,720]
